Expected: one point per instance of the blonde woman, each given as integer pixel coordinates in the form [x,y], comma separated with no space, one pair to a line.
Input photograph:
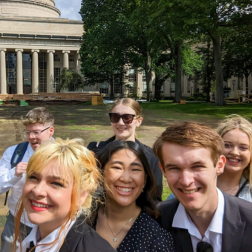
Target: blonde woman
[61,179]
[236,179]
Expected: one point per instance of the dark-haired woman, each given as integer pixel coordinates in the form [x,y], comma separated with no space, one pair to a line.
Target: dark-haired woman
[125,117]
[126,220]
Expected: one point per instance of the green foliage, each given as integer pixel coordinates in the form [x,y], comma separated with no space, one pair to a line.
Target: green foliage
[70,80]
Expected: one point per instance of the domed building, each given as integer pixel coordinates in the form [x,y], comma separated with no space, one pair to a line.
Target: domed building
[35,45]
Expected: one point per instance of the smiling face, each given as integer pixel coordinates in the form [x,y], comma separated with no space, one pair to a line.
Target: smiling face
[36,141]
[124,178]
[236,151]
[125,131]
[47,198]
[191,176]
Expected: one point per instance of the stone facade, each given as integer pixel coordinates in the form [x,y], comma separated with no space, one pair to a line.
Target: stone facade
[35,45]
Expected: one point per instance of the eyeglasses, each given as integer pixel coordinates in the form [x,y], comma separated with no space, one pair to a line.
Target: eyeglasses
[35,133]
[204,247]
[115,117]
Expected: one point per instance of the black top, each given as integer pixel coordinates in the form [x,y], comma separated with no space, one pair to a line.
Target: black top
[146,235]
[152,159]
[82,238]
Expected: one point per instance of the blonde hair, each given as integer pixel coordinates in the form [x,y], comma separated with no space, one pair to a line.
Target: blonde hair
[40,115]
[129,103]
[74,161]
[232,122]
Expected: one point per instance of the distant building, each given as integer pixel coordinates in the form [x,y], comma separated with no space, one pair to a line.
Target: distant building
[35,44]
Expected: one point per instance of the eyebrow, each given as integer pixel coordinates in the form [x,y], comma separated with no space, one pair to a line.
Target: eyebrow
[121,163]
[195,163]
[51,177]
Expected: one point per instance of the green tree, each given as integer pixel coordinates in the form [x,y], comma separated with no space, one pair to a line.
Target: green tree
[70,80]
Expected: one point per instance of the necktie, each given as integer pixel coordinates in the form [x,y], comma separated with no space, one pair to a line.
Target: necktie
[30,247]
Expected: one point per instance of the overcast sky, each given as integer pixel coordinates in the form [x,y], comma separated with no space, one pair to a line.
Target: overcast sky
[69,8]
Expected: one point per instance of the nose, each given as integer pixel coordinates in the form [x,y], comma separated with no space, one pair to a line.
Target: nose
[39,190]
[234,150]
[121,121]
[186,178]
[125,176]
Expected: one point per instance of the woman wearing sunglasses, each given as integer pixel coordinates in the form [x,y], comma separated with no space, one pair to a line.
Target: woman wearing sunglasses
[125,117]
[127,219]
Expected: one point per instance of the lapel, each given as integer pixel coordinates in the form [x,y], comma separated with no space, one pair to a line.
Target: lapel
[233,226]
[183,240]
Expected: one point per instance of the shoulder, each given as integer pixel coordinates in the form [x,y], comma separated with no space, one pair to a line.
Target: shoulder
[244,207]
[147,150]
[96,146]
[154,233]
[82,238]
[167,210]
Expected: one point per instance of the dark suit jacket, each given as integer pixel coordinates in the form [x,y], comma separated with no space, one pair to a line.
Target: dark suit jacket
[237,225]
[152,159]
[82,238]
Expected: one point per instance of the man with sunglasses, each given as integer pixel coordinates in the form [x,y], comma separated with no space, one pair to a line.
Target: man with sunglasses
[38,124]
[201,218]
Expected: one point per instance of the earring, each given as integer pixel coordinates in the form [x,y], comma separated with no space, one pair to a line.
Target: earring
[143,189]
[78,212]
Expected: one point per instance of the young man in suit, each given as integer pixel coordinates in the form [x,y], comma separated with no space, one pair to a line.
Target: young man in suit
[201,218]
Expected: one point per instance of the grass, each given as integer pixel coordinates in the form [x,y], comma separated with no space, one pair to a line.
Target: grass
[199,109]
[81,128]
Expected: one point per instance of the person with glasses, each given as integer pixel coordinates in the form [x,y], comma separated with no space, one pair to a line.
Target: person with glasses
[201,218]
[125,117]
[38,124]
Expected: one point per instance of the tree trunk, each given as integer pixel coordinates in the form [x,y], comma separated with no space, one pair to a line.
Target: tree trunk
[112,85]
[177,71]
[218,69]
[148,76]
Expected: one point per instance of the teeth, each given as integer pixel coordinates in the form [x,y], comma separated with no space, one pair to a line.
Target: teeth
[39,205]
[124,189]
[189,191]
[233,160]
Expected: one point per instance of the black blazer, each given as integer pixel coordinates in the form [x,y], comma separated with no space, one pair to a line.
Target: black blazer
[82,238]
[237,225]
[152,159]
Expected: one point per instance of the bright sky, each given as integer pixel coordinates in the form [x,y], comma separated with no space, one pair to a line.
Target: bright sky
[69,8]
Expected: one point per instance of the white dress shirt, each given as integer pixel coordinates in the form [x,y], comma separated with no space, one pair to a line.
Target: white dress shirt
[8,180]
[34,237]
[213,234]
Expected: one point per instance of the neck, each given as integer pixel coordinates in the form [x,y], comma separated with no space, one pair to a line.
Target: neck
[203,218]
[229,181]
[131,138]
[120,213]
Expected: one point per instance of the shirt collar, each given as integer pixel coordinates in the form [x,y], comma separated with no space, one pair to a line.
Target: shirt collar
[182,219]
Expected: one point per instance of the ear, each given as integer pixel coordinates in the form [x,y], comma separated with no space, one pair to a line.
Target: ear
[139,121]
[51,131]
[161,168]
[83,197]
[220,165]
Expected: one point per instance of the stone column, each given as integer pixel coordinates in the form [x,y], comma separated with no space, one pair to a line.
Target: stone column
[50,71]
[66,59]
[35,71]
[3,72]
[77,62]
[19,70]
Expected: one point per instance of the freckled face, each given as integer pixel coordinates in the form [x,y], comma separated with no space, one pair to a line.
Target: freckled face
[47,198]
[236,150]
[124,178]
[124,131]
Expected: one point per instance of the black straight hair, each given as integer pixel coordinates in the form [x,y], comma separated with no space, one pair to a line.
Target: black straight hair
[146,199]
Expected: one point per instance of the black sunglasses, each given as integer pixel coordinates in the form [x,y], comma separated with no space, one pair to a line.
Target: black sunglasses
[115,117]
[204,247]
